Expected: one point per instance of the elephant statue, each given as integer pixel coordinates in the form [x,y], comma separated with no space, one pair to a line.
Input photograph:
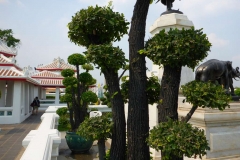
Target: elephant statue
[216,70]
[233,74]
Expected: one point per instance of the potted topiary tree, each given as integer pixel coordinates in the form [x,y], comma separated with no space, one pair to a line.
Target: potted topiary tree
[77,98]
[97,128]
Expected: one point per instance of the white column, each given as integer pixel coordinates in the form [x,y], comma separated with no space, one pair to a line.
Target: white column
[57,95]
[17,101]
[167,21]
[3,91]
[9,98]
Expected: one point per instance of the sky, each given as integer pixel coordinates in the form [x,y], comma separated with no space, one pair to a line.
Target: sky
[41,25]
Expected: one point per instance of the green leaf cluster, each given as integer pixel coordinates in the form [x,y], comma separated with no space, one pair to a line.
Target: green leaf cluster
[62,111]
[206,94]
[153,88]
[89,96]
[67,73]
[7,36]
[106,100]
[77,59]
[177,47]
[178,138]
[85,77]
[69,81]
[237,91]
[66,98]
[63,121]
[96,128]
[106,56]
[87,67]
[97,25]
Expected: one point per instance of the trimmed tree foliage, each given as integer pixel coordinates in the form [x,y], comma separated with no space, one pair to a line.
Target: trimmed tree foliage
[77,95]
[202,94]
[7,36]
[178,138]
[109,60]
[173,50]
[97,128]
[97,26]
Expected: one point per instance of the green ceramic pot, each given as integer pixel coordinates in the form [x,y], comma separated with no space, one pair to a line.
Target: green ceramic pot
[77,143]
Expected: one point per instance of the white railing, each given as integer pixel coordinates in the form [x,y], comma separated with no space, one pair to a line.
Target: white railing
[43,143]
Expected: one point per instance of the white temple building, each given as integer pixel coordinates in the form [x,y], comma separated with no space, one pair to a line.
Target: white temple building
[19,86]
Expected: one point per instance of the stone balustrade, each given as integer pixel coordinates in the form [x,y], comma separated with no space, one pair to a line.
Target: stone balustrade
[43,143]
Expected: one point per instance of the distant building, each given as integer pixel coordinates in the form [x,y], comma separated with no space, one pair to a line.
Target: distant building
[19,86]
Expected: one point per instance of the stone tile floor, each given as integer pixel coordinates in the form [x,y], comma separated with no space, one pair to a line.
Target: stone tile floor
[11,136]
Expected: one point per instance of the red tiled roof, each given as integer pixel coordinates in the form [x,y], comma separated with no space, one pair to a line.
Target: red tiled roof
[57,64]
[52,82]
[10,73]
[4,49]
[3,60]
[47,74]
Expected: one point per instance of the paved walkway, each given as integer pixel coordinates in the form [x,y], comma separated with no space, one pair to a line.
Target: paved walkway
[11,136]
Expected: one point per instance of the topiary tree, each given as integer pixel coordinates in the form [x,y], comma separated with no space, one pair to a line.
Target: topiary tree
[101,26]
[109,63]
[77,95]
[97,25]
[173,50]
[178,138]
[97,128]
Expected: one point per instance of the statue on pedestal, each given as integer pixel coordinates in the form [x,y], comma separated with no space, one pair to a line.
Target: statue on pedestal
[220,71]
[169,5]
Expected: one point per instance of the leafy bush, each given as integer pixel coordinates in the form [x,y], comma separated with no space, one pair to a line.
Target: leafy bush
[67,73]
[62,111]
[237,91]
[97,25]
[89,96]
[177,47]
[206,94]
[96,128]
[178,138]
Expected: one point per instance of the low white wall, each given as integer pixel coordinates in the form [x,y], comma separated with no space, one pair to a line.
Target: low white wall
[43,143]
[12,115]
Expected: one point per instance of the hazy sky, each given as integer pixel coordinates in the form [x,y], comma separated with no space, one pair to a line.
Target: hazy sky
[41,25]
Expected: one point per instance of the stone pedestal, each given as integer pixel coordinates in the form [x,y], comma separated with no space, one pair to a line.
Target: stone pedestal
[166,22]
[222,129]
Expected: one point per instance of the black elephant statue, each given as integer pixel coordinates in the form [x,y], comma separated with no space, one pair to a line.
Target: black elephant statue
[216,70]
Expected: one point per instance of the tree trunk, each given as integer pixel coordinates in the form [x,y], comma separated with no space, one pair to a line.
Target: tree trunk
[172,157]
[101,149]
[189,115]
[118,145]
[138,118]
[70,116]
[169,96]
[168,104]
